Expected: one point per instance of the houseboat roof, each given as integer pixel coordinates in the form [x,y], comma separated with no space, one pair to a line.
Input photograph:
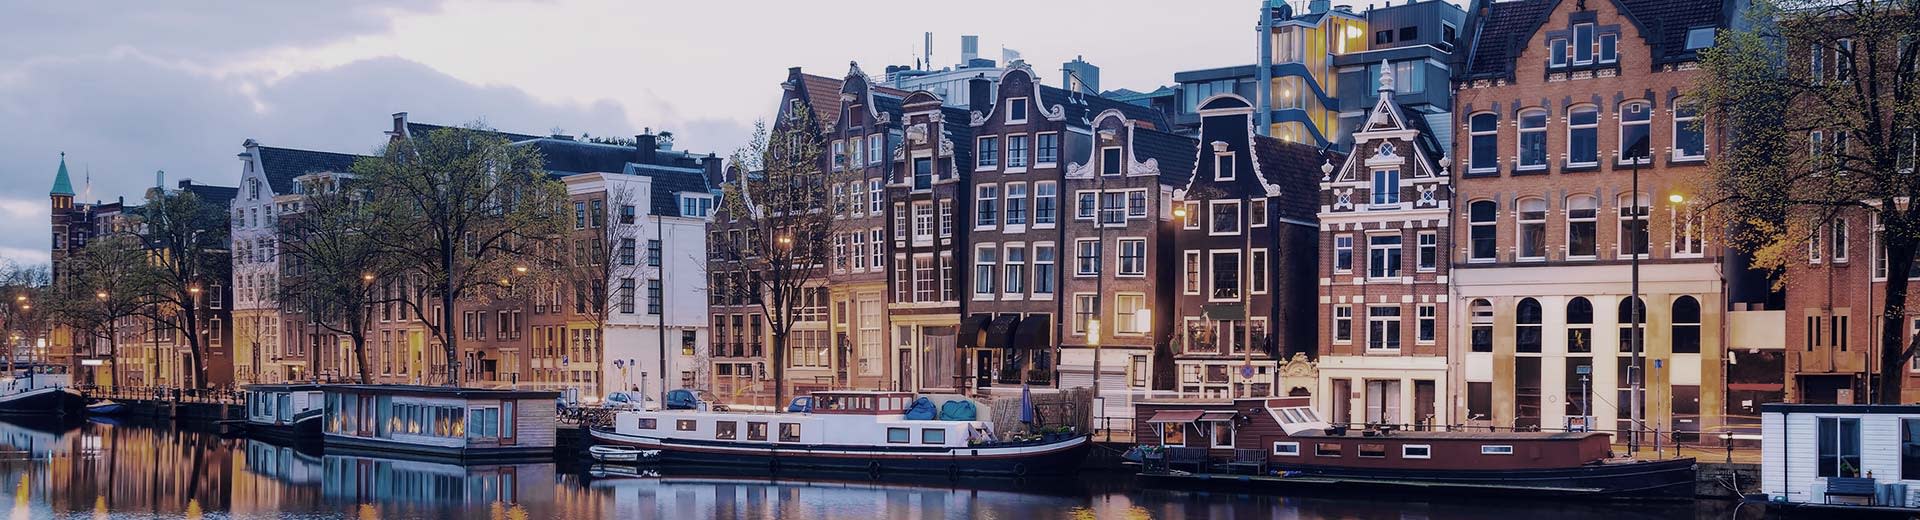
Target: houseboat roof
[1840,408]
[1458,436]
[282,387]
[444,391]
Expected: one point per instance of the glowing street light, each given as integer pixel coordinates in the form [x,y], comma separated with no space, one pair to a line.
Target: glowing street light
[1676,198]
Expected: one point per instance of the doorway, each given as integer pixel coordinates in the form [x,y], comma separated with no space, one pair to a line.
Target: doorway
[983,368]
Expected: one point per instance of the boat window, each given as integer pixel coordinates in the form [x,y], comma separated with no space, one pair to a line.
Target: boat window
[933,436]
[725,430]
[1222,434]
[648,423]
[1290,449]
[1416,451]
[1326,449]
[899,435]
[685,425]
[1373,451]
[1496,449]
[789,432]
[1173,435]
[1290,416]
[756,431]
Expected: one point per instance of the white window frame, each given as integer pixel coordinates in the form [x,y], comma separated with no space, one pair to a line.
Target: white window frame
[1426,312]
[1013,279]
[1192,220]
[984,194]
[1257,279]
[1079,270]
[1572,127]
[1679,122]
[1567,238]
[1622,147]
[1397,320]
[980,159]
[1006,204]
[1037,163]
[1342,312]
[1520,139]
[1120,255]
[875,148]
[1496,449]
[1213,275]
[1083,210]
[839,154]
[1239,218]
[1026,157]
[1423,242]
[1053,188]
[1124,323]
[1257,213]
[1034,272]
[1389,199]
[1023,107]
[1839,236]
[1191,270]
[1337,248]
[1292,451]
[1223,167]
[1520,223]
[985,260]
[1493,134]
[1119,161]
[1406,453]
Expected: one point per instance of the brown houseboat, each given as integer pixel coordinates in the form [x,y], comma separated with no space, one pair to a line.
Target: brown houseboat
[1282,444]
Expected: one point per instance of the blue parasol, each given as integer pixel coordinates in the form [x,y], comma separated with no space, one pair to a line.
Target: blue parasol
[1026,404]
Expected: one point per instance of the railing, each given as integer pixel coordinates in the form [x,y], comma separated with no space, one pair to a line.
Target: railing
[165,393]
[594,417]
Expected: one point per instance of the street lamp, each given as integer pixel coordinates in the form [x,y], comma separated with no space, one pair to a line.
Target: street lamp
[1638,153]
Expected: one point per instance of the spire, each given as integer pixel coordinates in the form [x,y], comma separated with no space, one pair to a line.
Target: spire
[62,185]
[1386,78]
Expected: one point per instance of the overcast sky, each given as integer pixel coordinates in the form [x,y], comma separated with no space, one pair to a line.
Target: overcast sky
[129,87]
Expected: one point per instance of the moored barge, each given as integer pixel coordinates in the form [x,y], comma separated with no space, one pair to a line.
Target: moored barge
[438,423]
[876,432]
[1281,444]
[284,412]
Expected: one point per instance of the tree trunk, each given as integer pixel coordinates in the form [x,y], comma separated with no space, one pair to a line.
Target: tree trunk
[194,344]
[360,357]
[1893,347]
[779,371]
[446,336]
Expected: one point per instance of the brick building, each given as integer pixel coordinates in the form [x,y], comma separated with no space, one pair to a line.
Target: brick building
[1550,101]
[930,206]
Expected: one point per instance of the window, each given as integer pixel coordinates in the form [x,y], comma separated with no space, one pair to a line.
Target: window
[1686,325]
[1428,322]
[1633,225]
[1343,324]
[1047,147]
[1843,60]
[1017,151]
[1383,328]
[1110,160]
[1483,130]
[1817,63]
[1226,217]
[1016,204]
[1533,139]
[1174,434]
[1087,257]
[946,218]
[1137,204]
[1910,449]
[839,154]
[1126,309]
[1256,212]
[987,200]
[1191,278]
[1583,136]
[1223,166]
[1326,449]
[653,296]
[1416,451]
[1527,331]
[922,222]
[1016,267]
[1343,253]
[648,423]
[985,256]
[580,215]
[923,173]
[685,425]
[653,253]
[1258,258]
[856,158]
[627,214]
[789,432]
[874,148]
[1481,335]
[1386,187]
[1582,44]
[599,213]
[1839,447]
[874,194]
[1429,253]
[1043,260]
[1086,204]
[1632,318]
[1045,201]
[988,153]
[933,436]
[1480,217]
[857,197]
[626,251]
[1083,312]
[1689,141]
[1557,47]
[1192,209]
[1839,240]
[899,435]
[1383,256]
[1687,230]
[1579,325]
[1699,38]
[1635,119]
[726,430]
[1113,208]
[1226,275]
[1609,48]
[626,295]
[1496,449]
[1017,110]
[1286,449]
[756,431]
[1372,450]
[1532,219]
[1582,226]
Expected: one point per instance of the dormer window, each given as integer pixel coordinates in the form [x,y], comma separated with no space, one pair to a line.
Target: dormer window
[1559,48]
[1699,38]
[253,189]
[1583,44]
[1017,110]
[1223,166]
[1609,48]
[1110,160]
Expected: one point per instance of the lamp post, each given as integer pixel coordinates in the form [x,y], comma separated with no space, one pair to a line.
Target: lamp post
[1638,153]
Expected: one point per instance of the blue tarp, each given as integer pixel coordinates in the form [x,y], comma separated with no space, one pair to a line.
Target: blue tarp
[958,411]
[802,404]
[682,399]
[922,410]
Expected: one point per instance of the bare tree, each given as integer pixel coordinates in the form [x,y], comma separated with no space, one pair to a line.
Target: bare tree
[186,240]
[609,262]
[24,297]
[459,208]
[103,291]
[336,274]
[781,195]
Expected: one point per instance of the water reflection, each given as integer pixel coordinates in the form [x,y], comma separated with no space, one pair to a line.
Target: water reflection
[142,470]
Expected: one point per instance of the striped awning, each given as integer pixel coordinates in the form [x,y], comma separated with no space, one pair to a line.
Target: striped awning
[1175,416]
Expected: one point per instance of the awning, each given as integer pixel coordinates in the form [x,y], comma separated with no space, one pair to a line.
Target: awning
[1000,331]
[1035,332]
[970,329]
[1175,416]
[1226,311]
[1216,416]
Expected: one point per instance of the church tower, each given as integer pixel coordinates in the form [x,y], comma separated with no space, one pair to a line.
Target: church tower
[63,216]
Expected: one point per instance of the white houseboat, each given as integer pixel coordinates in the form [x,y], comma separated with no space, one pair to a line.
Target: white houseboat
[461,424]
[844,430]
[1822,456]
[39,390]
[288,412]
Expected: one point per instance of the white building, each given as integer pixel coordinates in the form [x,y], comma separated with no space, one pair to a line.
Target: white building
[268,189]
[1808,447]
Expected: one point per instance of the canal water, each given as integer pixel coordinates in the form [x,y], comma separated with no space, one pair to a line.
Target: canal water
[100,470]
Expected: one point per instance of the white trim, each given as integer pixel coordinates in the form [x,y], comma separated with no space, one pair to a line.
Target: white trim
[1294,452]
[1406,451]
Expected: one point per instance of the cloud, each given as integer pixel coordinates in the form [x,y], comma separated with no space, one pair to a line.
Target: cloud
[208,34]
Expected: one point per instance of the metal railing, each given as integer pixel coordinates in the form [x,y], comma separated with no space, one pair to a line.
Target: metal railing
[166,393]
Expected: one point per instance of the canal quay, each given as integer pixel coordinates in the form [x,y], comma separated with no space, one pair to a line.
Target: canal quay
[136,469]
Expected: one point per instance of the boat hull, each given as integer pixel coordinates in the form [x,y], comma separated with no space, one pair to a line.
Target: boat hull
[304,428]
[44,401]
[1060,457]
[1667,479]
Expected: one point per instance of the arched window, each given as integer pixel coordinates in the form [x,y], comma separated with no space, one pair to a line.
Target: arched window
[1532,220]
[1481,215]
[1527,326]
[1533,139]
[1482,312]
[1484,130]
[1583,213]
[1583,136]
[1579,325]
[1689,142]
[1635,120]
[1633,231]
[1627,319]
[1686,325]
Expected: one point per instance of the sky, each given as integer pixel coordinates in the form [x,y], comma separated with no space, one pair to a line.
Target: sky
[127,88]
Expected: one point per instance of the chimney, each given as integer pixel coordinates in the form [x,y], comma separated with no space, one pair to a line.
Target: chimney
[715,176]
[160,179]
[646,146]
[399,125]
[979,93]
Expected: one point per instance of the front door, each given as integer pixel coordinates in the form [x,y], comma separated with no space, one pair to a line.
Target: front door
[905,371]
[983,368]
[508,418]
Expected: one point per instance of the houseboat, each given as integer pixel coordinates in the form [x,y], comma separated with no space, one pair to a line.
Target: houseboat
[1841,459]
[442,423]
[874,432]
[289,412]
[40,390]
[1283,444]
